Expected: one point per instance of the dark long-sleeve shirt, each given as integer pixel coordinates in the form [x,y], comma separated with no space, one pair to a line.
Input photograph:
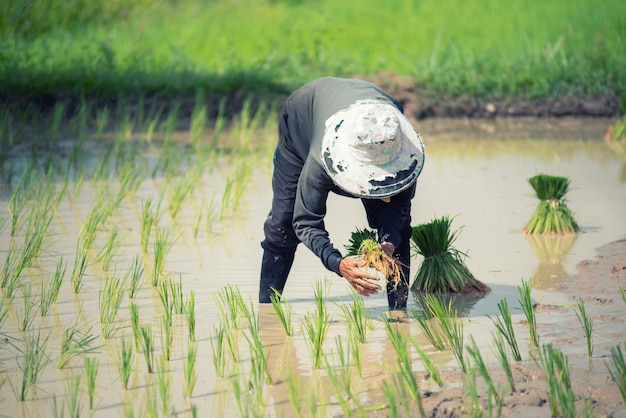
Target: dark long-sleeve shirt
[304,116]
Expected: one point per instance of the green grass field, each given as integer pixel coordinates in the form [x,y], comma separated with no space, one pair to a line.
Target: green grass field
[108,49]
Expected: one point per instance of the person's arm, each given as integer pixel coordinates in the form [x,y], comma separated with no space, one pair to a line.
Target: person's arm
[308,223]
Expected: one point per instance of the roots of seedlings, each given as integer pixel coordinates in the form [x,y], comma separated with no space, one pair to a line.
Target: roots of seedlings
[376,258]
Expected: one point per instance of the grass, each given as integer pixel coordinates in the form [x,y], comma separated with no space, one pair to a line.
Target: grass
[443,268]
[552,214]
[530,49]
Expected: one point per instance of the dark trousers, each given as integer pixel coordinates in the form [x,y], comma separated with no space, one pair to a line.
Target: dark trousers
[280,241]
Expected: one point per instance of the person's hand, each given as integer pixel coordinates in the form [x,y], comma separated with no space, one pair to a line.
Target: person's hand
[351,270]
[388,248]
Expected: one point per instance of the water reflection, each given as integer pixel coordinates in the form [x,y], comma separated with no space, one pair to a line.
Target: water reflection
[462,303]
[551,250]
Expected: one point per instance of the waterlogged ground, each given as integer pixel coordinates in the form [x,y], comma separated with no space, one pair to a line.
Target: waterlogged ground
[475,171]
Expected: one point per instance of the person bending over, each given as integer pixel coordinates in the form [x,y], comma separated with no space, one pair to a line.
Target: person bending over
[348,137]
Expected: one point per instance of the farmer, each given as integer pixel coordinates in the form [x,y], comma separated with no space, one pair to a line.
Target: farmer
[348,137]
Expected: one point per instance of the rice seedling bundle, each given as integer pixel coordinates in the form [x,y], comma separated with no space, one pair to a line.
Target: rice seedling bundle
[443,269]
[552,214]
[364,243]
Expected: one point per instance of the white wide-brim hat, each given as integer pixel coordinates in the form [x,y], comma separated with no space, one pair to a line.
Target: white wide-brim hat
[371,150]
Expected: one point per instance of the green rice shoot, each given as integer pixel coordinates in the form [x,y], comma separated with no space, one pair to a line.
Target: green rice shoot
[552,216]
[443,268]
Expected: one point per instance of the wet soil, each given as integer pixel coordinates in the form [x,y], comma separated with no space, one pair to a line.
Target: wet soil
[598,283]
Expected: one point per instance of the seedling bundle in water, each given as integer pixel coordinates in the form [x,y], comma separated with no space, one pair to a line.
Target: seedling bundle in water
[551,215]
[364,243]
[443,269]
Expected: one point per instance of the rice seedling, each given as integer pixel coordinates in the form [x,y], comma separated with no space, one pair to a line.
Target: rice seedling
[176,290]
[162,244]
[504,325]
[133,310]
[182,190]
[134,277]
[557,373]
[50,289]
[317,324]
[503,357]
[294,393]
[126,359]
[472,397]
[443,268]
[166,337]
[587,324]
[166,301]
[622,291]
[433,371]
[342,393]
[58,409]
[92,365]
[355,350]
[218,346]
[110,299]
[34,360]
[76,341]
[72,395]
[189,368]
[529,311]
[107,252]
[164,386]
[431,327]
[3,224]
[258,356]
[78,270]
[231,305]
[552,214]
[481,367]
[149,219]
[152,401]
[26,318]
[357,317]
[5,303]
[392,402]
[451,326]
[283,311]
[364,243]
[403,359]
[617,369]
[147,346]
[191,316]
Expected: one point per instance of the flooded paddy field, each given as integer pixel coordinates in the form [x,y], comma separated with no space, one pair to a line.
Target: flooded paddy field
[156,246]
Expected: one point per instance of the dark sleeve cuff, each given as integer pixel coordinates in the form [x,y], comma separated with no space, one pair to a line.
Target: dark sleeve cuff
[333,262]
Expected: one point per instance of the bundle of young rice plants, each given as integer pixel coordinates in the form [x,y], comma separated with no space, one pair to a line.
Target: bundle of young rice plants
[443,269]
[552,214]
[364,243]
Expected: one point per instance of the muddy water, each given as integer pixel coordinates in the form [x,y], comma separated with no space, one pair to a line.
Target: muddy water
[475,172]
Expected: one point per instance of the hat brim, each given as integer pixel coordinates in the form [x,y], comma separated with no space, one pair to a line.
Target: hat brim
[366,180]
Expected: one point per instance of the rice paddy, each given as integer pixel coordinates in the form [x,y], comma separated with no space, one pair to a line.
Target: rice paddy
[130,269]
